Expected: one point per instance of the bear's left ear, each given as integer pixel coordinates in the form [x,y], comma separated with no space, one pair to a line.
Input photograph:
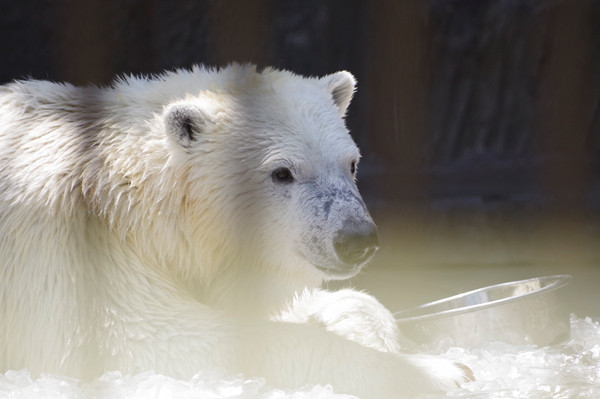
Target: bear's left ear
[185,123]
[341,85]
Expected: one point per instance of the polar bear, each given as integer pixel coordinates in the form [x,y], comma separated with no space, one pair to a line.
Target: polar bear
[184,222]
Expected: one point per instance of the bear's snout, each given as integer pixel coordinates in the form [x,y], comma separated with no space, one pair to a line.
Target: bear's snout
[356,242]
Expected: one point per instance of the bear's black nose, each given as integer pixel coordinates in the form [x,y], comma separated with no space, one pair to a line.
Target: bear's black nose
[356,242]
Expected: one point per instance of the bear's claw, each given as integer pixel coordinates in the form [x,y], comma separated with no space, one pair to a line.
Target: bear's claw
[468,374]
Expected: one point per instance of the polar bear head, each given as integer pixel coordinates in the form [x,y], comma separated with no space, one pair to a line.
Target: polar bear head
[269,170]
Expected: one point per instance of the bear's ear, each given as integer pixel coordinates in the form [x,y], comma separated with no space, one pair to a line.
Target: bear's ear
[341,85]
[185,123]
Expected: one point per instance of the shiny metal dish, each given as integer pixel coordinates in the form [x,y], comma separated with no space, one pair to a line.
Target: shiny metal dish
[520,312]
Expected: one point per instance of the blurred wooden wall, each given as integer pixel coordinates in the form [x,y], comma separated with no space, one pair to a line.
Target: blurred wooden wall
[496,100]
[565,96]
[398,88]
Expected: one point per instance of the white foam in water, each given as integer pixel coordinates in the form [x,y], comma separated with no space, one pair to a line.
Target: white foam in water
[19,385]
[569,370]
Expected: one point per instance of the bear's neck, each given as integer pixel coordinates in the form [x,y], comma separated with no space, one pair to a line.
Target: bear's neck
[235,283]
[253,294]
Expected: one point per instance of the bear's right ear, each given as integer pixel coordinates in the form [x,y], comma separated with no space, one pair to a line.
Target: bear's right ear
[185,123]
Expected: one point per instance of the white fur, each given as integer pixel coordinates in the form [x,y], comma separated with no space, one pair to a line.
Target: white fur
[127,244]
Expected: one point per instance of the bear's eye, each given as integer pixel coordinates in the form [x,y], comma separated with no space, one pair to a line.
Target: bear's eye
[282,175]
[353,168]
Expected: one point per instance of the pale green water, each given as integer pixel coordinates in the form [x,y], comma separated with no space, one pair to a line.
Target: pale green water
[424,259]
